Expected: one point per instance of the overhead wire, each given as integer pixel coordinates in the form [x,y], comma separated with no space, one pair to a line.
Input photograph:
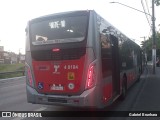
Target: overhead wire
[147,6]
[145,12]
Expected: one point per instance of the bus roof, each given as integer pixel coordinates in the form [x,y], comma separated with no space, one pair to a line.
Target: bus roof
[78,12]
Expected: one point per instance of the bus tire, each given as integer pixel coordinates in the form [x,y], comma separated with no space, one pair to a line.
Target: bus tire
[124,88]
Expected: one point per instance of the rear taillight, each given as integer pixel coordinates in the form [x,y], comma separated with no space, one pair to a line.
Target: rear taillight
[55,50]
[90,77]
[29,74]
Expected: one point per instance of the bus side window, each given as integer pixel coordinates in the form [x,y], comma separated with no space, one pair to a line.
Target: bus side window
[106,56]
[105,42]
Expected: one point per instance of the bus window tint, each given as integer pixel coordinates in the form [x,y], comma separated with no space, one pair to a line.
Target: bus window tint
[59,30]
[106,55]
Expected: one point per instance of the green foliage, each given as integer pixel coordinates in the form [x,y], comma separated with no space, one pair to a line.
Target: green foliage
[9,68]
[147,45]
[11,75]
[157,2]
[158,40]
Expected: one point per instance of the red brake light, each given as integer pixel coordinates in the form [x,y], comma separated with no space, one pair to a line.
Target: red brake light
[55,49]
[90,77]
[29,74]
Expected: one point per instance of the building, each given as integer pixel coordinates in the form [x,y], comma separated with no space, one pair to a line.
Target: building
[10,57]
[1,55]
[14,57]
[21,58]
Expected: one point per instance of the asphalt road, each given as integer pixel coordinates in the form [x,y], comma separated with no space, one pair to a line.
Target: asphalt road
[13,98]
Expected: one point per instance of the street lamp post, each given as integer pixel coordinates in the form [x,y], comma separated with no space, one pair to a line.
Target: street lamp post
[132,8]
[153,31]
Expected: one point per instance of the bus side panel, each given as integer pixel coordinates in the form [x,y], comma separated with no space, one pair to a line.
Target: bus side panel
[94,56]
[105,62]
[107,92]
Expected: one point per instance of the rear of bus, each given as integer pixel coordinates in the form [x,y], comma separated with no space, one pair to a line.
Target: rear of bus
[61,64]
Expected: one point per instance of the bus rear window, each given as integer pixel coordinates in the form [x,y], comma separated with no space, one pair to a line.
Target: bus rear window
[59,30]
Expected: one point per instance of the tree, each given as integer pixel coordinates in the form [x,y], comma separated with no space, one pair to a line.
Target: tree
[158,40]
[147,45]
[157,2]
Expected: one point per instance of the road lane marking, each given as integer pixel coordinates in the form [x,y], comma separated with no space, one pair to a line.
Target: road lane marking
[39,109]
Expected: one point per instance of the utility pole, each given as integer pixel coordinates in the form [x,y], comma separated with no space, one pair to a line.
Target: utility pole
[154,40]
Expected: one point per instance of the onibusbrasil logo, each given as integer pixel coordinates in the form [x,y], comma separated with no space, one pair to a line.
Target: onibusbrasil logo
[21,114]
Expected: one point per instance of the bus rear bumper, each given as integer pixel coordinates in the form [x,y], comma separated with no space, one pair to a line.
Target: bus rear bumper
[86,99]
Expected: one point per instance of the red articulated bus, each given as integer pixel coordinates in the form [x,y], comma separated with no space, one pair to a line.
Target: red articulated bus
[78,59]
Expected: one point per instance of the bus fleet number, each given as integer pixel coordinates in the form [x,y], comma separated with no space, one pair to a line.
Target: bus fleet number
[71,67]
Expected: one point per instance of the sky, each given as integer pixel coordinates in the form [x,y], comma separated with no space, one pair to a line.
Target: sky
[14,15]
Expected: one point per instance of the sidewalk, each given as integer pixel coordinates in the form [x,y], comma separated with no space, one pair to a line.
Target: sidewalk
[149,97]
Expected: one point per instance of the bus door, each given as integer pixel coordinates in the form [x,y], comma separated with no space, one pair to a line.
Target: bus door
[115,66]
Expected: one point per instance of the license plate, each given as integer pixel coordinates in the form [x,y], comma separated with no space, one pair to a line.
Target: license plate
[56,87]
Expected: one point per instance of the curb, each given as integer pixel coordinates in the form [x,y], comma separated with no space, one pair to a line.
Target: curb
[12,78]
